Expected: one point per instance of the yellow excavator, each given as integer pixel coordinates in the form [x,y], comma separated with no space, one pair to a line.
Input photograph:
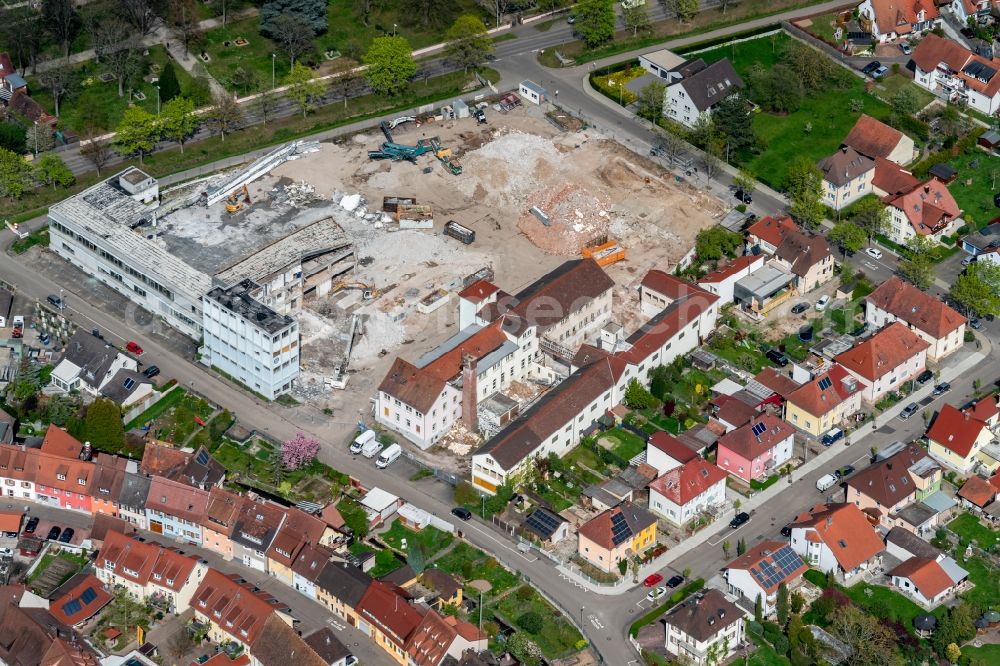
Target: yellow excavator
[368,291]
[237,201]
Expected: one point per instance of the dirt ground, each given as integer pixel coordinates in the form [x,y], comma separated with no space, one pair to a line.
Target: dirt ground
[587,186]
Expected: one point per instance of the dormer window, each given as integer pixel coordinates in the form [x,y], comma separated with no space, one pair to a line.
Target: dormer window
[61,477]
[260,516]
[82,482]
[130,572]
[217,613]
[108,564]
[283,552]
[157,576]
[243,632]
[170,581]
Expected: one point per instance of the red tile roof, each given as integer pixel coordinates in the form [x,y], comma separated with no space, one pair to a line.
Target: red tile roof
[771,230]
[235,608]
[222,510]
[144,562]
[816,400]
[61,444]
[299,529]
[599,528]
[926,574]
[802,252]
[777,381]
[75,606]
[734,411]
[765,552]
[669,285]
[745,443]
[985,409]
[845,531]
[889,481]
[449,365]
[917,308]
[689,303]
[391,613]
[65,474]
[933,51]
[10,521]
[684,483]
[872,137]
[882,353]
[955,430]
[892,178]
[162,459]
[977,490]
[928,206]
[477,292]
[18,462]
[177,499]
[412,386]
[222,659]
[429,642]
[845,165]
[671,446]
[732,268]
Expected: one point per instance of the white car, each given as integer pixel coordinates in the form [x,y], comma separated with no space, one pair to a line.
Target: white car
[653,595]
[6,552]
[873,252]
[822,303]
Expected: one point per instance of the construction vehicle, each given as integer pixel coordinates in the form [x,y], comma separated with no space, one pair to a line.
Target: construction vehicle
[368,291]
[445,157]
[459,232]
[397,152]
[238,201]
[604,251]
[18,327]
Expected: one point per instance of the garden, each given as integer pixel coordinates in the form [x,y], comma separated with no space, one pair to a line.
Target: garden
[468,563]
[977,181]
[969,529]
[174,417]
[54,569]
[546,625]
[430,540]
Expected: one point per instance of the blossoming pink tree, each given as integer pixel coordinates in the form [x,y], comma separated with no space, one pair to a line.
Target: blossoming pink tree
[299,451]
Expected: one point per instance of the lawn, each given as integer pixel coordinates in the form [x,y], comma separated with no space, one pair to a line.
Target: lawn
[212,436]
[824,26]
[470,563]
[975,199]
[585,457]
[431,539]
[986,654]
[171,398]
[986,593]
[892,84]
[815,131]
[765,655]
[968,528]
[884,602]
[625,444]
[558,637]
[97,104]
[39,237]
[744,354]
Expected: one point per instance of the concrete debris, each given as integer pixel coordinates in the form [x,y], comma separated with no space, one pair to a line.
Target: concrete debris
[296,195]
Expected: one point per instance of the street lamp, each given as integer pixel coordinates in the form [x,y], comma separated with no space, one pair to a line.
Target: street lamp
[393,29]
[273,56]
[581,617]
[157,99]
[62,301]
[484,507]
[36,138]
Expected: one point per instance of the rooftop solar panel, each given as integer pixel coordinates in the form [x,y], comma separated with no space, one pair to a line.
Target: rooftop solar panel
[825,383]
[620,531]
[202,457]
[88,595]
[543,522]
[758,429]
[71,608]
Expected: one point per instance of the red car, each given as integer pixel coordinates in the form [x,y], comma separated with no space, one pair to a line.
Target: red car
[652,579]
[134,348]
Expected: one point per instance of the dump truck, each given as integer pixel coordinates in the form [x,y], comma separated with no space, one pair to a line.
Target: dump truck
[459,232]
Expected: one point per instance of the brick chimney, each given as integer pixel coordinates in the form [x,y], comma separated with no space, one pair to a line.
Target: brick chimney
[470,393]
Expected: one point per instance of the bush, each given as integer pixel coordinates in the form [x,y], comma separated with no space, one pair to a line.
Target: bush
[524,593]
[755,628]
[780,644]
[530,622]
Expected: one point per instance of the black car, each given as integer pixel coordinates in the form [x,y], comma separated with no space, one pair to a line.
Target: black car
[777,357]
[860,330]
[461,512]
[870,68]
[55,300]
[942,388]
[675,581]
[151,372]
[53,533]
[739,519]
[29,527]
[844,471]
[786,531]
[66,535]
[744,197]
[925,376]
[799,308]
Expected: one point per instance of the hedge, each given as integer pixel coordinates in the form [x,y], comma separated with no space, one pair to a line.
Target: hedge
[675,598]
[815,577]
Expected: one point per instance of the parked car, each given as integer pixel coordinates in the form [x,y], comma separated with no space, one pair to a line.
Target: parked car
[777,357]
[151,372]
[906,48]
[942,388]
[54,533]
[976,324]
[571,19]
[67,535]
[880,72]
[29,527]
[871,67]
[873,252]
[461,512]
[653,595]
[744,197]
[55,301]
[799,308]
[968,260]
[831,436]
[909,411]
[675,581]
[925,376]
[822,303]
[6,552]
[845,471]
[860,330]
[133,347]
[826,482]
[652,579]
[739,519]
[786,531]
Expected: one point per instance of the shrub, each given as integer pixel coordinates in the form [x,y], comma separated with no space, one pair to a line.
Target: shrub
[780,644]
[524,593]
[530,622]
[755,628]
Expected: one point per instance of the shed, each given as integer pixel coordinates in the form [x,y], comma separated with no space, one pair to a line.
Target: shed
[549,526]
[943,172]
[989,139]
[379,505]
[461,109]
[532,92]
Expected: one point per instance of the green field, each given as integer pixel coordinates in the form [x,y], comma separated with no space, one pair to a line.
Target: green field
[976,198]
[968,528]
[627,444]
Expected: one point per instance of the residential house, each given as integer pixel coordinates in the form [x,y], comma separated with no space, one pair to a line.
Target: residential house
[219,521]
[194,468]
[959,438]
[18,469]
[686,492]
[761,570]
[888,20]
[824,401]
[888,486]
[757,449]
[704,629]
[88,363]
[547,526]
[104,523]
[984,244]
[778,384]
[886,361]
[807,257]
[873,138]
[176,510]
[278,643]
[765,290]
[903,544]
[836,537]
[929,582]
[847,176]
[723,279]
[661,63]
[966,9]
[379,505]
[952,71]
[325,643]
[79,599]
[298,530]
[30,635]
[132,391]
[930,318]
[891,179]
[698,92]
[340,587]
[927,210]
[665,452]
[767,233]
[132,499]
[63,481]
[307,567]
[616,534]
[977,492]
[109,474]
[388,619]
[234,612]
[256,526]
[148,571]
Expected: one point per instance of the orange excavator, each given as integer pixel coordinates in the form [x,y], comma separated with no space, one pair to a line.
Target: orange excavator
[238,201]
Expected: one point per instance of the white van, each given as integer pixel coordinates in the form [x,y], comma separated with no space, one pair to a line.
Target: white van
[826,482]
[388,456]
[360,441]
[371,448]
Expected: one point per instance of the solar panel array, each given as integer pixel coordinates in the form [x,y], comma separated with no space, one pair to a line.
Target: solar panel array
[202,458]
[825,383]
[128,383]
[620,531]
[543,522]
[72,607]
[758,429]
[980,71]
[88,595]
[769,573]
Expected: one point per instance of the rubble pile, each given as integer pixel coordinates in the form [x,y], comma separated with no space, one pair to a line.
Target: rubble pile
[296,195]
[575,215]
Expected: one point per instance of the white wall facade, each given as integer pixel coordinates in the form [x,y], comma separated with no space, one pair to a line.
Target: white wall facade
[679,107]
[680,515]
[742,583]
[890,381]
[876,318]
[696,652]
[421,428]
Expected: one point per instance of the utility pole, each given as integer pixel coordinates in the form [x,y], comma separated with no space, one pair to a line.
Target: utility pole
[273,56]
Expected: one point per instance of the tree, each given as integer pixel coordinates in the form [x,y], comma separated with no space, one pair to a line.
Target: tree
[649,102]
[62,22]
[745,181]
[953,652]
[169,87]
[848,235]
[725,4]
[977,289]
[137,132]
[116,46]
[354,517]
[715,242]
[636,18]
[178,120]
[758,604]
[530,622]
[183,18]
[431,13]
[140,14]
[14,174]
[918,267]
[871,643]
[871,216]
[104,426]
[312,13]
[247,80]
[293,33]
[524,649]
[347,83]
[726,548]
[685,9]
[39,138]
[199,91]
[637,397]
[741,546]
[180,642]
[303,88]
[710,162]
[467,42]
[672,145]
[299,451]
[266,103]
[416,555]
[51,170]
[390,64]
[905,102]
[732,118]
[21,28]
[804,184]
[958,626]
[12,137]
[595,21]
[225,115]
[781,605]
[96,151]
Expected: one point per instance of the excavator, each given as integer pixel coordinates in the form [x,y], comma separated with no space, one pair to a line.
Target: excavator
[238,201]
[368,291]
